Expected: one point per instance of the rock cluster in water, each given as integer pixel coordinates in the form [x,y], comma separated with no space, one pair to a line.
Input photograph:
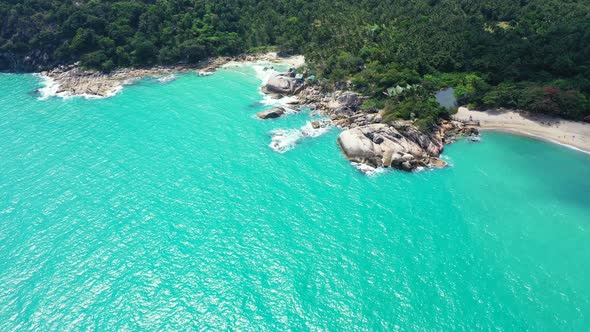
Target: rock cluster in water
[72,80]
[399,145]
[365,139]
[272,113]
[283,84]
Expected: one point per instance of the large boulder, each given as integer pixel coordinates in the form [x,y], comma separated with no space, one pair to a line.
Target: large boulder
[430,143]
[381,145]
[282,84]
[350,100]
[272,113]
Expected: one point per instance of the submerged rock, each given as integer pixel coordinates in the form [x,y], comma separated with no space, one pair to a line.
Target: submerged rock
[272,113]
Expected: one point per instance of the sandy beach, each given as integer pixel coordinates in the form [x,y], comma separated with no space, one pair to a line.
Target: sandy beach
[270,57]
[565,132]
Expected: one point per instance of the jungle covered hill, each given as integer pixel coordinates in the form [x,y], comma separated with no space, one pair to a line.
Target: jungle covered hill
[530,54]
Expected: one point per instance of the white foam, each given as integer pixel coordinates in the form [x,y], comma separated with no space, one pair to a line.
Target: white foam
[167,78]
[109,94]
[447,160]
[269,100]
[368,169]
[284,140]
[50,87]
[264,71]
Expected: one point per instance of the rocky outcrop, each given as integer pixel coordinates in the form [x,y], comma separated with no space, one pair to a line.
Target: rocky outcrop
[432,143]
[451,130]
[74,81]
[350,100]
[367,141]
[382,145]
[283,84]
[272,113]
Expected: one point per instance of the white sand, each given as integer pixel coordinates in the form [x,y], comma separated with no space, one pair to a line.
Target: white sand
[569,133]
[270,57]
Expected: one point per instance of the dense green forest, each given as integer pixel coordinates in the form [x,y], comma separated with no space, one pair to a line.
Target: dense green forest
[527,54]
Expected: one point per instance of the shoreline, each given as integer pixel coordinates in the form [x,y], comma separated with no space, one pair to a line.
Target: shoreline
[71,81]
[522,133]
[570,134]
[364,140]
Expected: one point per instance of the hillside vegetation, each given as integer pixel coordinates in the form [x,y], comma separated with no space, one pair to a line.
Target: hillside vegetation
[527,54]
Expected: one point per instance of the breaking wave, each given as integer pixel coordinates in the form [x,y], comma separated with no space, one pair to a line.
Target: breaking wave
[51,89]
[283,140]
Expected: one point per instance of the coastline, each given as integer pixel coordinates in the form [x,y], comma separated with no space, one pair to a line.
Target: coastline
[365,141]
[567,133]
[72,81]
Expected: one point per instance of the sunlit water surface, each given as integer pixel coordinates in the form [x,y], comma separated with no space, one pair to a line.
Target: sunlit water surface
[164,208]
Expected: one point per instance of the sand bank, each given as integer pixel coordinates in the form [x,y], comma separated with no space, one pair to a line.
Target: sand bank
[565,132]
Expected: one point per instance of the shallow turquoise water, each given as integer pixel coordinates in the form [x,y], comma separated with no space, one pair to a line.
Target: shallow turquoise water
[163,208]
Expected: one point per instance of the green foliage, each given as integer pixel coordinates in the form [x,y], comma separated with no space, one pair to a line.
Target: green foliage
[376,78]
[94,59]
[372,104]
[83,41]
[418,106]
[471,87]
[437,81]
[493,52]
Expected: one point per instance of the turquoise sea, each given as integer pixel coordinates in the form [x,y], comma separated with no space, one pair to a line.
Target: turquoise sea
[164,209]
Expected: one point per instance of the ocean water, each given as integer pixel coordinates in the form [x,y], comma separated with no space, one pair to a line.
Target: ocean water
[164,208]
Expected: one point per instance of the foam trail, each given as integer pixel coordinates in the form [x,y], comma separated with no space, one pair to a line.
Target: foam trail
[284,140]
[167,78]
[264,71]
[49,89]
[269,100]
[111,93]
[447,160]
[369,170]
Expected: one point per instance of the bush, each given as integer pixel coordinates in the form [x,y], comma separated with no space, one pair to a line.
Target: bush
[504,95]
[472,88]
[372,104]
[421,107]
[94,59]
[107,66]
